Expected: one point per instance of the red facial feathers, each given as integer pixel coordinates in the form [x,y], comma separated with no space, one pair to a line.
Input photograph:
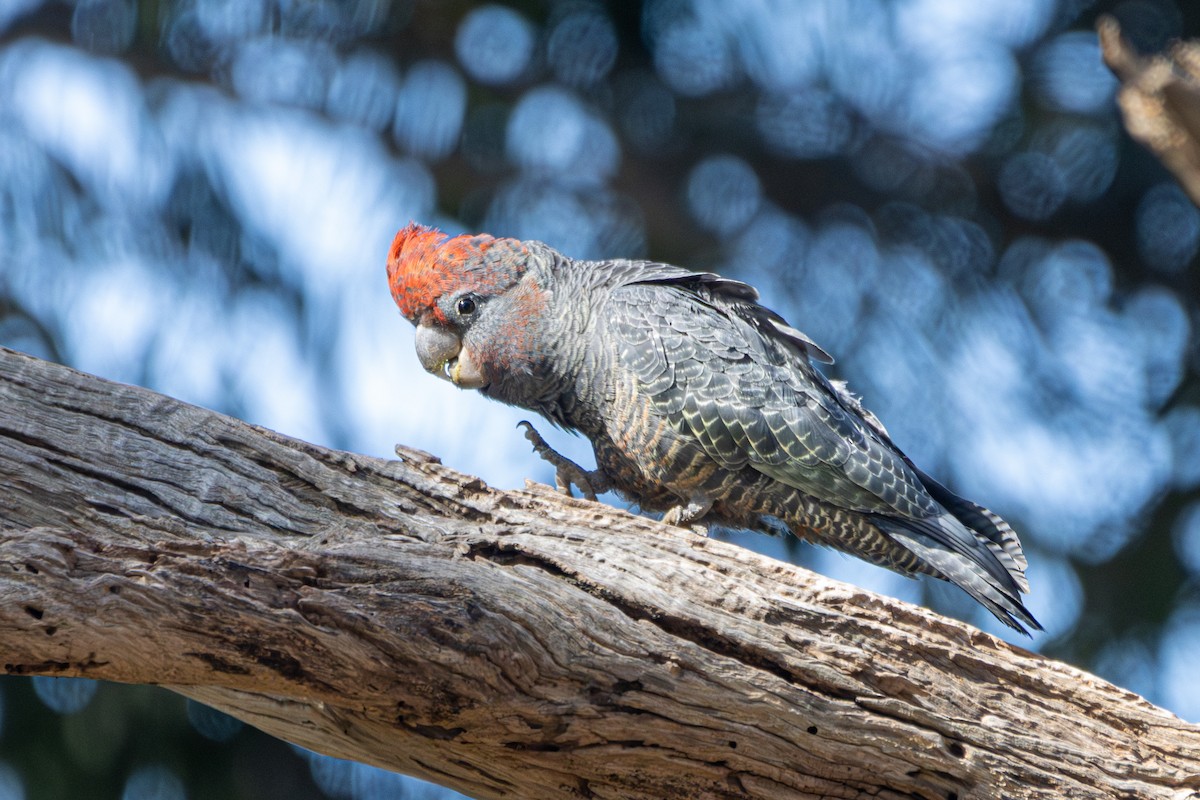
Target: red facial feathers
[424,264]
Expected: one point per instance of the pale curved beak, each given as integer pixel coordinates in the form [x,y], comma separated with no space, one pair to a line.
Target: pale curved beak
[441,353]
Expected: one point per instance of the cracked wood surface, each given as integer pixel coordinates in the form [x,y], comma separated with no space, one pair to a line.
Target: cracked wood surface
[509,644]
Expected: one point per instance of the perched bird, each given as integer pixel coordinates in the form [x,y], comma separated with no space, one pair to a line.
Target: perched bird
[697,400]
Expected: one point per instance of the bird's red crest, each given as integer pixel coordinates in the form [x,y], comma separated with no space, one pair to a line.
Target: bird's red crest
[424,264]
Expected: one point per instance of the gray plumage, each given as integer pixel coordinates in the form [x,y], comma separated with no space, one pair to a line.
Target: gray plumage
[703,403]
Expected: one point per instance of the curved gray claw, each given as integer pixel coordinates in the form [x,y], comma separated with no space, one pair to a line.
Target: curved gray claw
[566,471]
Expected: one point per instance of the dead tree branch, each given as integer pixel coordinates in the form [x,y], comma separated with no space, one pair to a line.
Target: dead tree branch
[1159,100]
[509,644]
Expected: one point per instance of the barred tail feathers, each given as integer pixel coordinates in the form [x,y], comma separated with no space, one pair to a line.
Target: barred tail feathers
[970,559]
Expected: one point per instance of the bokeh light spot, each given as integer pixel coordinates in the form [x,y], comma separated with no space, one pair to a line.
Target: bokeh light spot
[582,48]
[1032,185]
[364,90]
[333,776]
[494,44]
[1178,655]
[723,193]
[694,59]
[90,114]
[955,98]
[64,695]
[271,70]
[1086,154]
[430,110]
[842,256]
[646,111]
[1058,610]
[227,21]
[1070,280]
[1186,537]
[809,123]
[1070,76]
[104,26]
[1129,663]
[1183,430]
[11,785]
[212,724]
[1161,330]
[11,10]
[769,251]
[581,222]
[153,782]
[550,131]
[1168,228]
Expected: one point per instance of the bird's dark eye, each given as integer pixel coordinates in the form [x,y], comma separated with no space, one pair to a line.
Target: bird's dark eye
[466,306]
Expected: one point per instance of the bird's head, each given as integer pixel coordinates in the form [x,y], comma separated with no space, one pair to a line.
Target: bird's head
[471,300]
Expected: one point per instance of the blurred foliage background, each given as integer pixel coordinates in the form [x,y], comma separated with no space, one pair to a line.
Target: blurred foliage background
[197,196]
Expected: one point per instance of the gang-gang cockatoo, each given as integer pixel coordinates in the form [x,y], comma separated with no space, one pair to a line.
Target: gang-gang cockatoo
[698,402]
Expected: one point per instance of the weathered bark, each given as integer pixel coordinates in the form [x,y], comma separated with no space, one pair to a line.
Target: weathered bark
[509,644]
[1159,100]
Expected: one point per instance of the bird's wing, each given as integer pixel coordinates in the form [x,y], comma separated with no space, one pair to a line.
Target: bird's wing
[731,374]
[730,291]
[734,377]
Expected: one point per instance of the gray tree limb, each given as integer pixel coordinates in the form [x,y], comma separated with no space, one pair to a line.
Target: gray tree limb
[509,644]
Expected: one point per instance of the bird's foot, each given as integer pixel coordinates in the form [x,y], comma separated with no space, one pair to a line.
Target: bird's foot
[683,516]
[566,472]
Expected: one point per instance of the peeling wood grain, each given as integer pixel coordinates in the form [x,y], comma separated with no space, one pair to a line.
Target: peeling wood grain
[509,644]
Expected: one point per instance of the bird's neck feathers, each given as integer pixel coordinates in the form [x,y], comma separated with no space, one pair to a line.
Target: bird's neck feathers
[537,340]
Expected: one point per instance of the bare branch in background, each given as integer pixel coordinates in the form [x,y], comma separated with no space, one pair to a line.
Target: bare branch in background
[1160,100]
